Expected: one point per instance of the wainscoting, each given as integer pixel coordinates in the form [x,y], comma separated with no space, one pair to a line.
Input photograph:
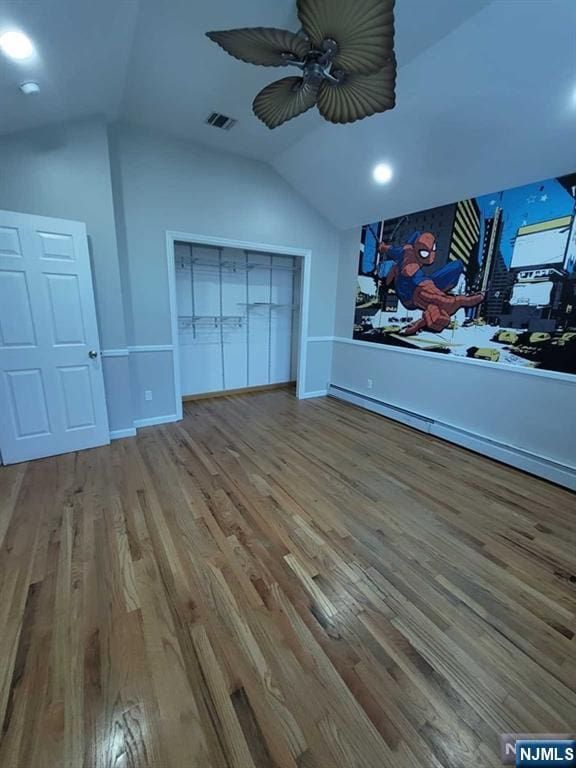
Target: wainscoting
[519,417]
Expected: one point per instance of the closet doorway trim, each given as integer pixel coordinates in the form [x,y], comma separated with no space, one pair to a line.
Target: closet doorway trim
[173,237]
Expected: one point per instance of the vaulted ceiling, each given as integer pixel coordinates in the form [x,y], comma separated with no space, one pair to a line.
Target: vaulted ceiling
[486,93]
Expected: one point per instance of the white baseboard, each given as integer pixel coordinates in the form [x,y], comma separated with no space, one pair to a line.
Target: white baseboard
[118,434]
[382,408]
[310,395]
[155,420]
[528,462]
[515,457]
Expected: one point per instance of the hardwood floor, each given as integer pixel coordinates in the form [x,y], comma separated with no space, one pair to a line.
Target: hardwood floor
[276,584]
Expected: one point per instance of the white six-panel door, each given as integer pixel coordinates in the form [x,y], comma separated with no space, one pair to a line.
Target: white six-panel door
[51,386]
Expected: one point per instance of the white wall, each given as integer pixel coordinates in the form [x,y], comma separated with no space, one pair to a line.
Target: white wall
[532,413]
[167,184]
[64,171]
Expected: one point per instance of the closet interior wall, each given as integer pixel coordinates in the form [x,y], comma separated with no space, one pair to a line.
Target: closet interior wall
[238,318]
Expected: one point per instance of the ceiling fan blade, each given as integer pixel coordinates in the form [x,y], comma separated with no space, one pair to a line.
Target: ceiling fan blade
[363,30]
[358,96]
[284,99]
[261,45]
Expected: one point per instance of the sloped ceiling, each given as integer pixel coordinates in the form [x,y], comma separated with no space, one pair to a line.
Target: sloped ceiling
[486,93]
[82,52]
[492,105]
[177,77]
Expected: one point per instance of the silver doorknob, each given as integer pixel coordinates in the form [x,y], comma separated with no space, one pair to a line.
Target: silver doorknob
[93,354]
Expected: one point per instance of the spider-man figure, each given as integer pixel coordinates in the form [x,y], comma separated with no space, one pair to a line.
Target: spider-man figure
[417,290]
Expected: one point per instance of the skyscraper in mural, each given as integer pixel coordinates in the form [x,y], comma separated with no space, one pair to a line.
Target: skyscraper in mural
[509,296]
[465,234]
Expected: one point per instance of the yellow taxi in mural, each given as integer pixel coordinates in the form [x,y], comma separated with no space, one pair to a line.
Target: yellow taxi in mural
[484,353]
[507,337]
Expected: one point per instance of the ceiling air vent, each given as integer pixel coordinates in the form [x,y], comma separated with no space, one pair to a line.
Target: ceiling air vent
[221,121]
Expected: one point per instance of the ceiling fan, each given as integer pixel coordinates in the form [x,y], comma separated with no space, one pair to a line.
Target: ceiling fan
[345,51]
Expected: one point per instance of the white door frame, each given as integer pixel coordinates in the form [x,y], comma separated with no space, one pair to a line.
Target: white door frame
[173,237]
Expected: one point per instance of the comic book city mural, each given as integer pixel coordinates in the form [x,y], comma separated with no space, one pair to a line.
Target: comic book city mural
[491,278]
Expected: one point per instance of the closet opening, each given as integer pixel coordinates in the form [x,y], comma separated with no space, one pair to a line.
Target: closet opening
[238,316]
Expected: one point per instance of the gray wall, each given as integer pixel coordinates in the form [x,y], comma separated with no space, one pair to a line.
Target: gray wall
[129,187]
[64,172]
[166,184]
[532,413]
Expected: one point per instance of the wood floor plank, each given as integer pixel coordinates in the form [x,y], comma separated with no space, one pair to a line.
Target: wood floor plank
[281,584]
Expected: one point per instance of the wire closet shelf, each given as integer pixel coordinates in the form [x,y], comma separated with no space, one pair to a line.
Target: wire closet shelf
[187,261]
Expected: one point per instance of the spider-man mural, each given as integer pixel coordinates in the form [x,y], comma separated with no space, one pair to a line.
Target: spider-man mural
[402,267]
[492,278]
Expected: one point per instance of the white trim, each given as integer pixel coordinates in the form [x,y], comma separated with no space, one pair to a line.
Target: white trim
[319,338]
[173,237]
[137,348]
[155,420]
[304,320]
[310,395]
[243,245]
[152,348]
[567,378]
[515,457]
[118,434]
[115,352]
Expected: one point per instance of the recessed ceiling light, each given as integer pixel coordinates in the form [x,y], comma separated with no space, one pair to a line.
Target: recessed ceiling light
[29,88]
[382,173]
[16,45]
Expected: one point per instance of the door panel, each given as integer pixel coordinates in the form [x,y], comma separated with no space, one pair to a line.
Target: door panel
[16,326]
[28,400]
[56,246]
[77,396]
[65,309]
[51,390]
[9,242]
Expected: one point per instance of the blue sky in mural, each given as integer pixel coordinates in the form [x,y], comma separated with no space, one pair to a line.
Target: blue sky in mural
[521,206]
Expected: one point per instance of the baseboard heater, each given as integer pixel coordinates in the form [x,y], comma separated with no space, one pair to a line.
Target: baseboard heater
[515,457]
